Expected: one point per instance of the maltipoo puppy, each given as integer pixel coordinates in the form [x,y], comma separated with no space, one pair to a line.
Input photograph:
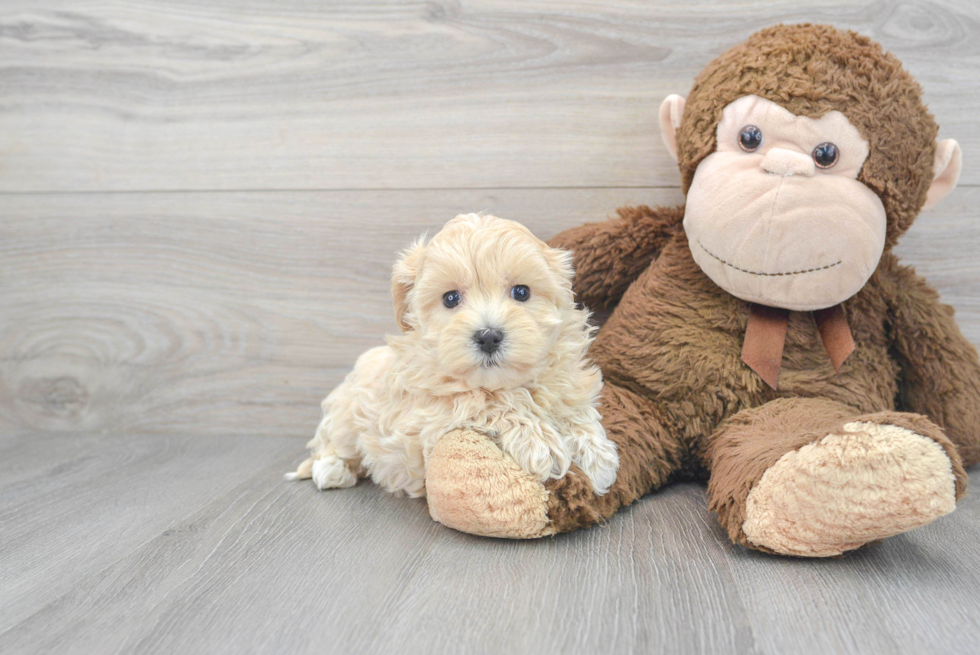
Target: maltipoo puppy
[492,341]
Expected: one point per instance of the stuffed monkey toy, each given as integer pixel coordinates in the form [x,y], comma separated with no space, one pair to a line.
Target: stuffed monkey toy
[764,337]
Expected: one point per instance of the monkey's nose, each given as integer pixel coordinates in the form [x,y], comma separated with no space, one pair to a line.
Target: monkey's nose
[780,161]
[488,339]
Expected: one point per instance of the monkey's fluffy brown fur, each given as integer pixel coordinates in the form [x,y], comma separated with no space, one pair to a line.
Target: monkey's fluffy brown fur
[811,70]
[678,400]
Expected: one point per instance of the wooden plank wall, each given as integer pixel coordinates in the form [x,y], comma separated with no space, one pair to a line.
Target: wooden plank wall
[200,202]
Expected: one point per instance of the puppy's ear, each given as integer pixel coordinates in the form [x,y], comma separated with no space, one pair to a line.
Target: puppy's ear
[403,279]
[560,262]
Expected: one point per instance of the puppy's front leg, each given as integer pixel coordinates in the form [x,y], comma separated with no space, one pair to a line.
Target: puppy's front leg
[594,453]
[537,448]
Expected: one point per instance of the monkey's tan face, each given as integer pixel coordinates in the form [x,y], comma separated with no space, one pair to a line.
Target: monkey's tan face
[776,214]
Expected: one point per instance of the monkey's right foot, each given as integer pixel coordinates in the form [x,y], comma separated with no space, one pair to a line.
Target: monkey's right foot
[868,482]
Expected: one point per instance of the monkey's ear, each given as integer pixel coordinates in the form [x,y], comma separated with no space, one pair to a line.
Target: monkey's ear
[403,280]
[671,110]
[949,163]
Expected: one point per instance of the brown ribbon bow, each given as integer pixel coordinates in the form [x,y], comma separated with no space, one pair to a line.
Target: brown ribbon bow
[765,336]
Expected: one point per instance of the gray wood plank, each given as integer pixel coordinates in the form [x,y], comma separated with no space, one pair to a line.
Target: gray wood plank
[85,507]
[348,94]
[24,456]
[214,313]
[218,313]
[915,593]
[259,565]
[654,579]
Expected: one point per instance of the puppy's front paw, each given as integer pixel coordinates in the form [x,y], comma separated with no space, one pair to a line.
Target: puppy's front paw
[594,453]
[600,462]
[541,454]
[331,472]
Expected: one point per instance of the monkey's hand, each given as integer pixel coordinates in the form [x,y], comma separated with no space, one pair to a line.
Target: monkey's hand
[940,374]
[610,255]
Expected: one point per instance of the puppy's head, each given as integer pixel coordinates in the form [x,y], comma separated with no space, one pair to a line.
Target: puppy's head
[486,297]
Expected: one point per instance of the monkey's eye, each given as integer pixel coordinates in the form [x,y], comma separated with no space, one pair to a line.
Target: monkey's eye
[825,155]
[451,298]
[520,293]
[750,138]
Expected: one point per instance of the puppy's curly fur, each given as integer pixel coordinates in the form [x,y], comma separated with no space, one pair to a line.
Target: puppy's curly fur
[535,394]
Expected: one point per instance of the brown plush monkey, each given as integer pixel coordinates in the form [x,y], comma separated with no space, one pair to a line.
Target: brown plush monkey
[764,337]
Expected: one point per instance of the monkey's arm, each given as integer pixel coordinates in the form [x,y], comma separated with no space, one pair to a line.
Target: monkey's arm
[940,374]
[609,255]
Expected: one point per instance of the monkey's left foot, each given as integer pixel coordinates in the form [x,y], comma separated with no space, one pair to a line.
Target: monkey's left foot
[865,483]
[472,486]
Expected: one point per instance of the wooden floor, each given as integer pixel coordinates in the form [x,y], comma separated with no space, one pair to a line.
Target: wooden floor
[179,544]
[199,206]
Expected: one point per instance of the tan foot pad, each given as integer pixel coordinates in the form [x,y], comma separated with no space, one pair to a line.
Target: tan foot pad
[471,486]
[870,482]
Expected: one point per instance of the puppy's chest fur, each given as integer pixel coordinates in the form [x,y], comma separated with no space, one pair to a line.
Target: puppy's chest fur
[423,417]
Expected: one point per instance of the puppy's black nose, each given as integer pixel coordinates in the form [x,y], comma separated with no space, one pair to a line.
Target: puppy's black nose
[488,339]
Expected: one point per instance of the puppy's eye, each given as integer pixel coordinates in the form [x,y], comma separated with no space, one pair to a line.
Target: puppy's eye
[451,298]
[520,293]
[750,138]
[825,155]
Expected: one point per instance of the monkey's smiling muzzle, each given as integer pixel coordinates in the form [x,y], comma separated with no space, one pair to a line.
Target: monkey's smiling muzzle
[776,214]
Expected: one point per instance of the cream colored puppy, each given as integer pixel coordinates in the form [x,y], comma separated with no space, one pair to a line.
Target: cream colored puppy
[492,341]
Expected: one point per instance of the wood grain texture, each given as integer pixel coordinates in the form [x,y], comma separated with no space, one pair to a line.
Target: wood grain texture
[242,562]
[214,313]
[311,94]
[221,313]
[199,207]
[82,502]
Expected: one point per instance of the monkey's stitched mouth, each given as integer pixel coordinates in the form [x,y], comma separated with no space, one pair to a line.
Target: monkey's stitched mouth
[744,270]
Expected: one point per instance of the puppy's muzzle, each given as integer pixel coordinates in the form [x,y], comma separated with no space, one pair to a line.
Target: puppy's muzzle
[488,339]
